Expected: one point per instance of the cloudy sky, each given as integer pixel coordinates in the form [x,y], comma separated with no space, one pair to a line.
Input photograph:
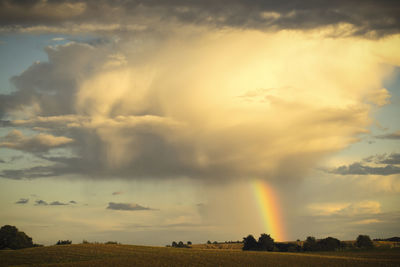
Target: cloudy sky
[146,122]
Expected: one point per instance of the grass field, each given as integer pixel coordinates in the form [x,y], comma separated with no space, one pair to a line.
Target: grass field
[127,255]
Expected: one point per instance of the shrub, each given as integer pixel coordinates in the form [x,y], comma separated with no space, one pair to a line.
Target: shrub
[11,238]
[64,242]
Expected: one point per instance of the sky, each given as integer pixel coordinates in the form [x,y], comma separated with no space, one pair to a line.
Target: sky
[147,122]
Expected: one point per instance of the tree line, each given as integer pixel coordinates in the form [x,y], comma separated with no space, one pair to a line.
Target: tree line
[266,243]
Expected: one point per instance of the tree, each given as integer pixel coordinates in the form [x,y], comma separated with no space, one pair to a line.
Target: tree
[328,244]
[250,243]
[11,238]
[265,242]
[209,242]
[310,244]
[174,244]
[189,242]
[364,241]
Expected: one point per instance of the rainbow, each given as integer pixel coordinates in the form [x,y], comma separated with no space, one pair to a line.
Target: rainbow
[268,204]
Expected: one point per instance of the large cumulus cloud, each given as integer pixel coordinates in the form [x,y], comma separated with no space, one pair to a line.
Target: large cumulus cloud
[212,105]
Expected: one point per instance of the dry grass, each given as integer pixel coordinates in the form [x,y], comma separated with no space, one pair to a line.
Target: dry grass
[126,255]
[237,246]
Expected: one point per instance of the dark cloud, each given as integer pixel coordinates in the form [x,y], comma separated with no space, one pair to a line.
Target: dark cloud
[380,17]
[36,172]
[4,123]
[38,143]
[12,159]
[53,203]
[125,206]
[380,164]
[359,168]
[394,136]
[117,193]
[393,158]
[73,202]
[22,201]
[57,203]
[41,203]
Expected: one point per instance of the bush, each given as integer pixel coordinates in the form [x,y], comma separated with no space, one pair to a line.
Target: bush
[364,241]
[64,242]
[11,238]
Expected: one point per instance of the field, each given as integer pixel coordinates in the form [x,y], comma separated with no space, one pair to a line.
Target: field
[127,255]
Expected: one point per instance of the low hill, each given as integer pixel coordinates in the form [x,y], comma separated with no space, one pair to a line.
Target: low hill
[127,255]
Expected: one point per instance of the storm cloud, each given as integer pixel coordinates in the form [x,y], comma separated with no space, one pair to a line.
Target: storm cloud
[112,112]
[367,18]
